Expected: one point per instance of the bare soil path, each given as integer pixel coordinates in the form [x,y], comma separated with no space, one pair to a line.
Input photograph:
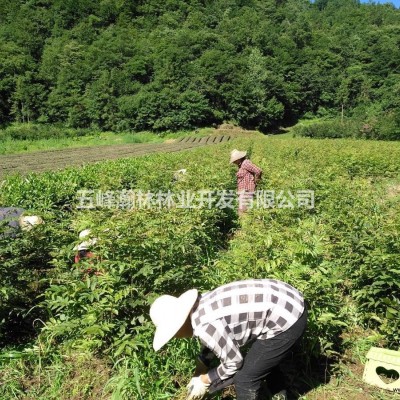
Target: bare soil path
[58,159]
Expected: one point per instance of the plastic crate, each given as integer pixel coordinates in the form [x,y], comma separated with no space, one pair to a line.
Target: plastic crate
[377,359]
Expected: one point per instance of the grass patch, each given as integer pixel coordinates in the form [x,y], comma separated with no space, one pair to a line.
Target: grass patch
[73,376]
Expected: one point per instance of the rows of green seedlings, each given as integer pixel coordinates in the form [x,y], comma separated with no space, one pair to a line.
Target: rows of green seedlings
[342,254]
[140,254]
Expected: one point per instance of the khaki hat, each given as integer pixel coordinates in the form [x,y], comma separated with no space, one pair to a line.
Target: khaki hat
[169,313]
[237,155]
[27,222]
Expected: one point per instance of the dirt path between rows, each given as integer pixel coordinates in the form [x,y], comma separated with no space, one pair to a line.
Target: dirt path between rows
[58,159]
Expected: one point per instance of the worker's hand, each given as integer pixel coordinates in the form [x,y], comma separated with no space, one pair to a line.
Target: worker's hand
[196,389]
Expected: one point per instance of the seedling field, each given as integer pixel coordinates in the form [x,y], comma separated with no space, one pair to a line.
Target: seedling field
[83,331]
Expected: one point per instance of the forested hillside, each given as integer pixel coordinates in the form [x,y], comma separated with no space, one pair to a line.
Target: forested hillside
[172,64]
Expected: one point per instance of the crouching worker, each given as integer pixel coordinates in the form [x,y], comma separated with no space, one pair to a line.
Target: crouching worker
[268,314]
[83,249]
[16,219]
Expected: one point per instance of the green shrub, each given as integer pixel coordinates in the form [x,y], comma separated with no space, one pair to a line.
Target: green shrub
[24,266]
[384,126]
[38,131]
[328,129]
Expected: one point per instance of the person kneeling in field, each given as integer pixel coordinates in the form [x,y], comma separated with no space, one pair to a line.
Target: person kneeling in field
[15,219]
[268,314]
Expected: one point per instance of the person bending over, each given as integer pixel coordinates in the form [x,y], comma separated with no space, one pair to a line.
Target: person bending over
[268,314]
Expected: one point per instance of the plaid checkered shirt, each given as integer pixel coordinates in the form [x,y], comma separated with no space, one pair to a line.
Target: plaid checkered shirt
[228,317]
[246,176]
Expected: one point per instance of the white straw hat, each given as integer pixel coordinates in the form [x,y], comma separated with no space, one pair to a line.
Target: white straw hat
[84,233]
[86,245]
[169,313]
[237,155]
[28,221]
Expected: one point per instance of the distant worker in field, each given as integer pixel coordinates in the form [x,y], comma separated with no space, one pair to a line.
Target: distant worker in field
[268,314]
[83,250]
[84,253]
[247,177]
[14,218]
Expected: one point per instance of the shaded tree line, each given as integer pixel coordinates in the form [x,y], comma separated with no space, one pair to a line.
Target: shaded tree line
[168,65]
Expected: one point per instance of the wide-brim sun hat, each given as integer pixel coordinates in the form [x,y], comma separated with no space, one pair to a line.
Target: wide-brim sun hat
[237,155]
[86,245]
[28,221]
[84,233]
[169,313]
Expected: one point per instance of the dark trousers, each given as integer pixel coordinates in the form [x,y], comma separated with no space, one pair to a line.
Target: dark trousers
[263,359]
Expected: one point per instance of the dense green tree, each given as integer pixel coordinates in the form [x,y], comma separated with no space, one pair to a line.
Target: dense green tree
[65,100]
[257,106]
[354,89]
[26,98]
[13,64]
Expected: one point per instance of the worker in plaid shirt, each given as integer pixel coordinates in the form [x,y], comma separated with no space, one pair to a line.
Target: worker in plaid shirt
[247,177]
[268,314]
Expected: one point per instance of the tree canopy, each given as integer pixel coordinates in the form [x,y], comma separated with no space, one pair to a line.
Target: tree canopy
[168,65]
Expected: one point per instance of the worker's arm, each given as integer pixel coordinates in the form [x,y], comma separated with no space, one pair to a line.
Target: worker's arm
[249,166]
[216,337]
[257,177]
